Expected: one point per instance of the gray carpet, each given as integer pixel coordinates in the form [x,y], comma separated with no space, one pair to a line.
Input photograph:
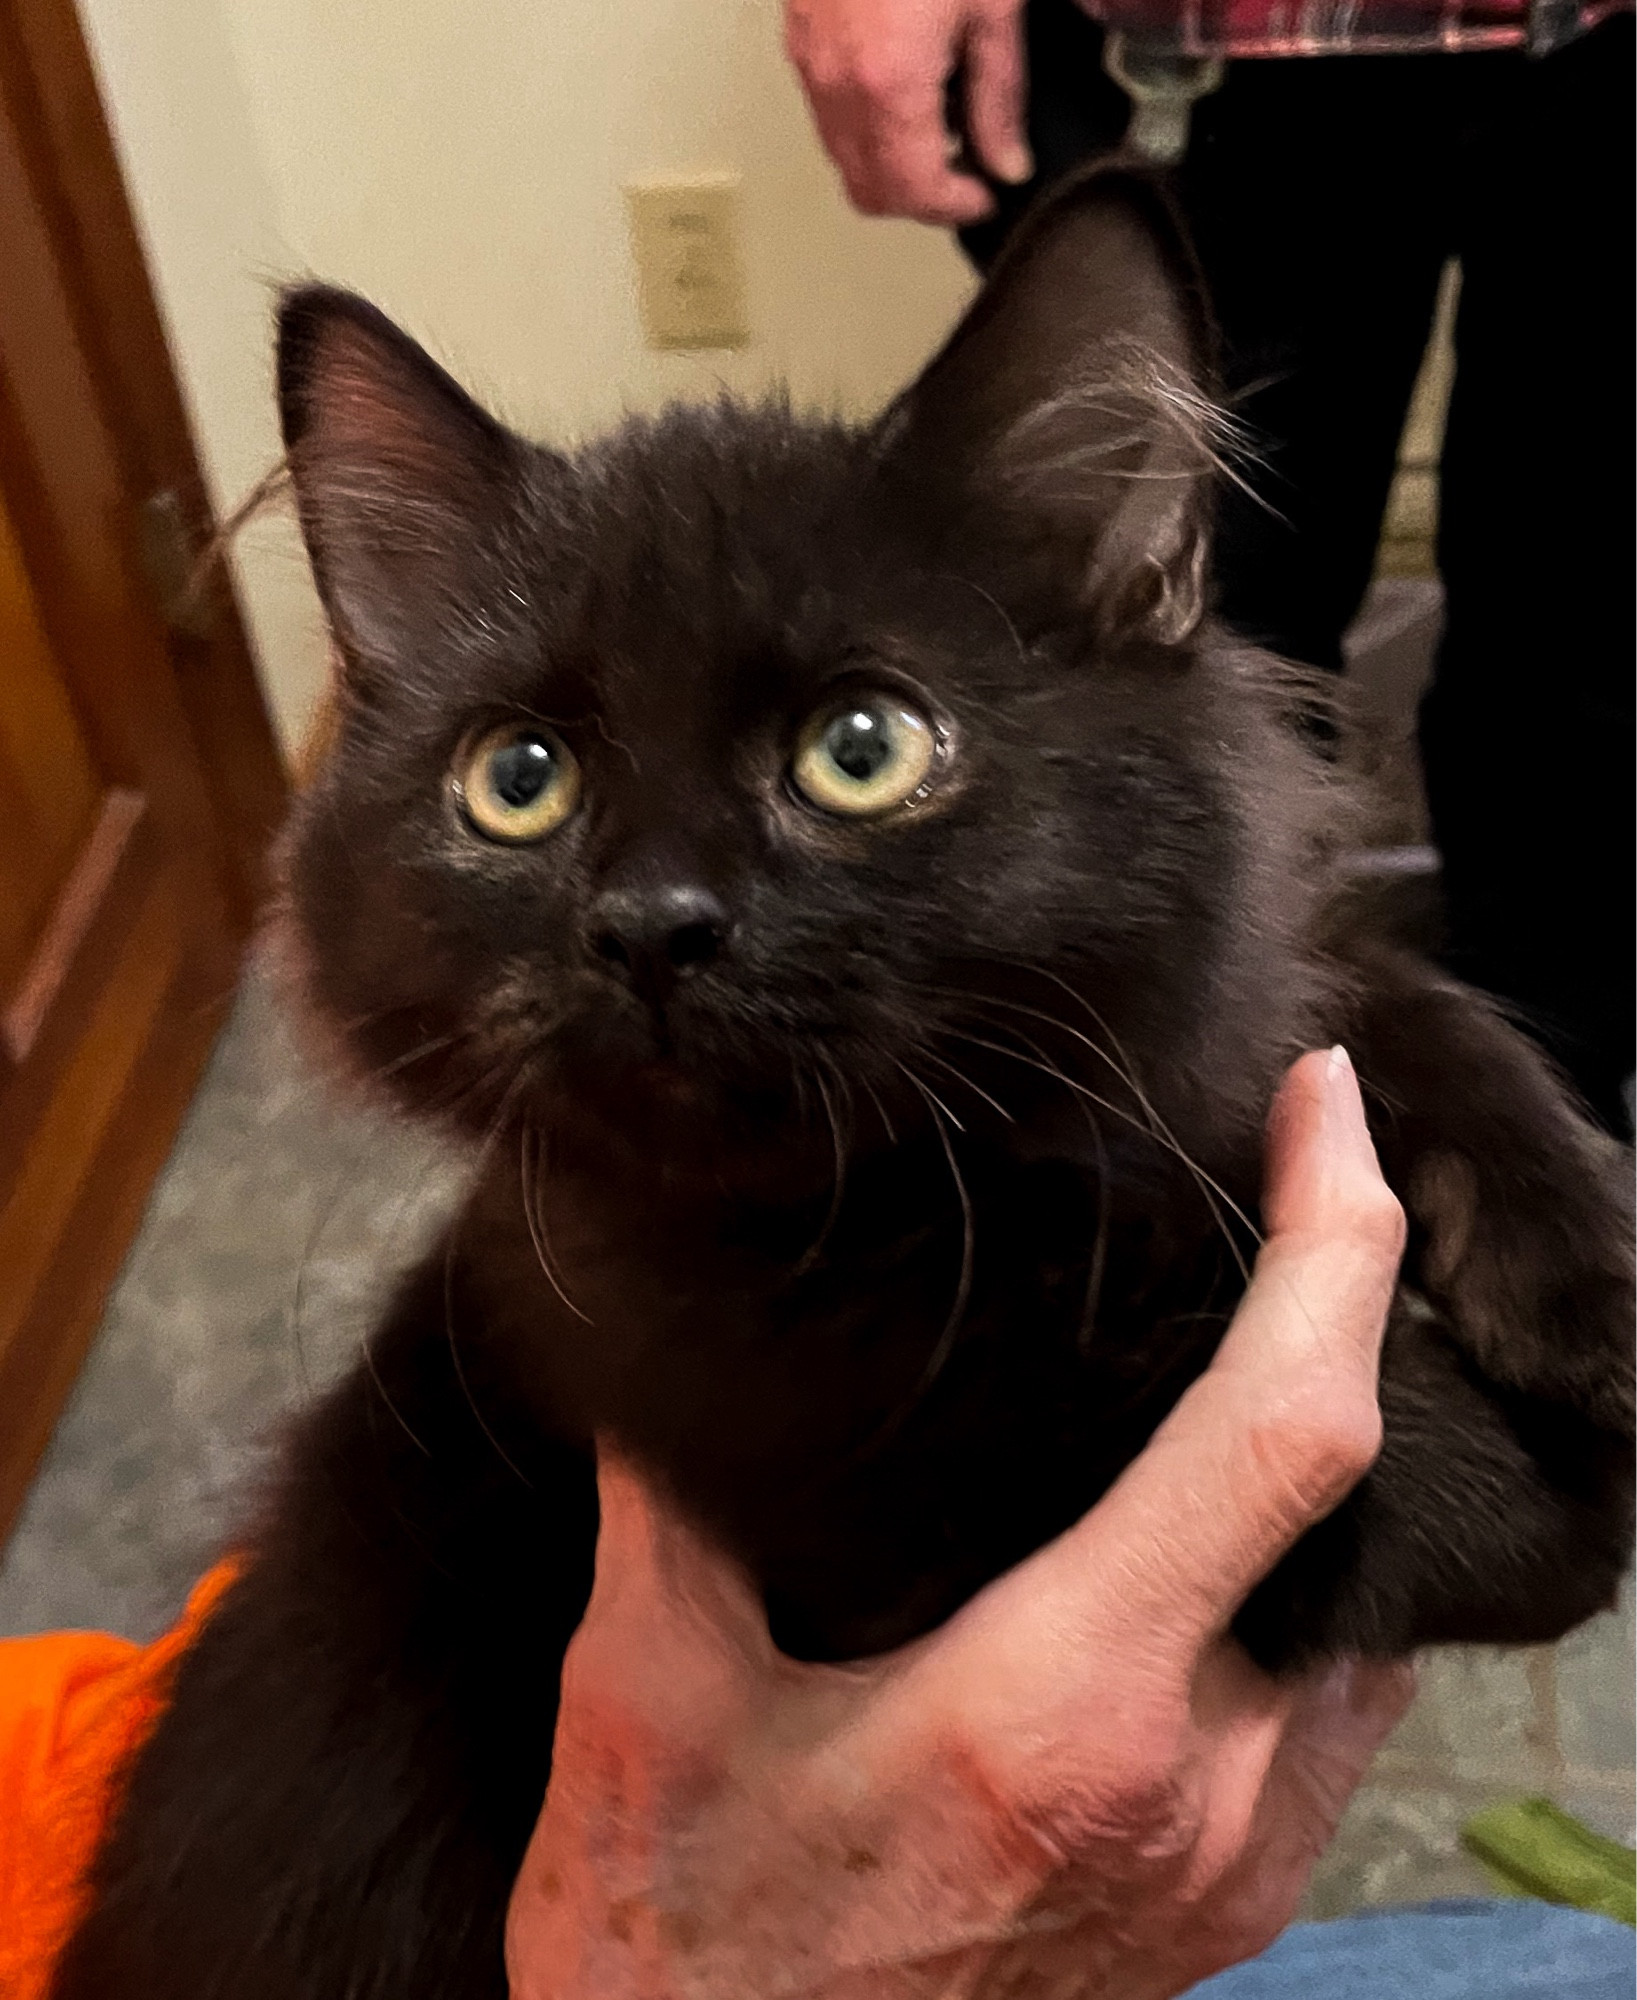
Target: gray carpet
[275,1228]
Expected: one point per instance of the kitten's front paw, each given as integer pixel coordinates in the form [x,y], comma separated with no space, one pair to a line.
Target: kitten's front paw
[1534,1271]
[1490,1518]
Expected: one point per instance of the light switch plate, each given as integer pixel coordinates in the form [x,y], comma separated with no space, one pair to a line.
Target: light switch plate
[690,276]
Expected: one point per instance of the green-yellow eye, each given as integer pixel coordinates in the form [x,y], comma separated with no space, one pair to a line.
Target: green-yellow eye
[865,755]
[517,783]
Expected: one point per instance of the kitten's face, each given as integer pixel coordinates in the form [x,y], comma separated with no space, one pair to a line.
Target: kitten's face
[739,759]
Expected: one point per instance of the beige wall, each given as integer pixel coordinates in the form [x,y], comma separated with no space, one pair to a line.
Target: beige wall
[461,162]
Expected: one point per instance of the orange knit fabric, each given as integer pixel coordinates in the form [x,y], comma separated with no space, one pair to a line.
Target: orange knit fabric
[74,1706]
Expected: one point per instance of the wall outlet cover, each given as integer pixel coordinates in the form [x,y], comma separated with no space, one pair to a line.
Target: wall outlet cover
[690,272]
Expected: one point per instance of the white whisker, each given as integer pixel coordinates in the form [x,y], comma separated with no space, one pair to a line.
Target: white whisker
[960,1076]
[963,1285]
[536,1222]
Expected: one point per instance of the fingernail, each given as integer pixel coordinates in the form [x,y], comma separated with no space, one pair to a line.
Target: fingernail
[1016,164]
[1343,1107]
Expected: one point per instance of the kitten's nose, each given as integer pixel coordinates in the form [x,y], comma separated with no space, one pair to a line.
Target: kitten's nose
[654,937]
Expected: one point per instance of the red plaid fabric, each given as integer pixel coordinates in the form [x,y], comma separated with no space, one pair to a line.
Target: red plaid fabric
[1350,27]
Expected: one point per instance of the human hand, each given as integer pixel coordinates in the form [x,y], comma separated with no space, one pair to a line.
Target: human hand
[1078,1785]
[874,72]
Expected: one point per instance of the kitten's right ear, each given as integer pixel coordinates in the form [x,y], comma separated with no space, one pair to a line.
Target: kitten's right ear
[402,482]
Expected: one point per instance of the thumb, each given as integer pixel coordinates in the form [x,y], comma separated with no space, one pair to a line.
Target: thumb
[1266,1441]
[1285,1420]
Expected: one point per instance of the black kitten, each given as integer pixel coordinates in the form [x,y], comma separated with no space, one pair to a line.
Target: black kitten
[860,912]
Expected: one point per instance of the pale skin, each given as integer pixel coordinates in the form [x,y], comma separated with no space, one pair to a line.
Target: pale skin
[874,72]
[1080,1785]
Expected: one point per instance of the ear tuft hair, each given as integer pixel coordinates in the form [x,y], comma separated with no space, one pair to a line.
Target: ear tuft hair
[1070,415]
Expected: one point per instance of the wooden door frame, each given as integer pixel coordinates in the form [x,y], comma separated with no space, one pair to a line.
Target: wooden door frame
[71,178]
[92,429]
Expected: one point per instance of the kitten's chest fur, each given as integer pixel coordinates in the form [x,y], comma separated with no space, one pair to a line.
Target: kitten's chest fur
[878,1395]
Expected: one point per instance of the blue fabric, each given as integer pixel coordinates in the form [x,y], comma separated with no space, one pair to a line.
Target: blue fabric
[1509,1949]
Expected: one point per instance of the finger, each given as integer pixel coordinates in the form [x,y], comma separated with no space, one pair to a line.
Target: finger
[877,101]
[662,1587]
[894,158]
[1267,1441]
[1306,1743]
[1251,1870]
[1240,1717]
[1338,1723]
[994,95]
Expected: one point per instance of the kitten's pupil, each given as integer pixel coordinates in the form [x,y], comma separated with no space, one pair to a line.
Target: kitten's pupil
[520,771]
[858,744]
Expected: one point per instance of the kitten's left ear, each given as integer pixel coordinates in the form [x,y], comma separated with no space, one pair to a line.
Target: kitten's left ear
[1068,418]
[403,483]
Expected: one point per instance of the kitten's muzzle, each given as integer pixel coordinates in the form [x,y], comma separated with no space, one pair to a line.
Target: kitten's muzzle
[652,938]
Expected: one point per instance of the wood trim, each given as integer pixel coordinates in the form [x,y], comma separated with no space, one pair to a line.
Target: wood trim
[88,1095]
[52,104]
[73,517]
[38,1365]
[29,1087]
[102,1044]
[318,739]
[79,902]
